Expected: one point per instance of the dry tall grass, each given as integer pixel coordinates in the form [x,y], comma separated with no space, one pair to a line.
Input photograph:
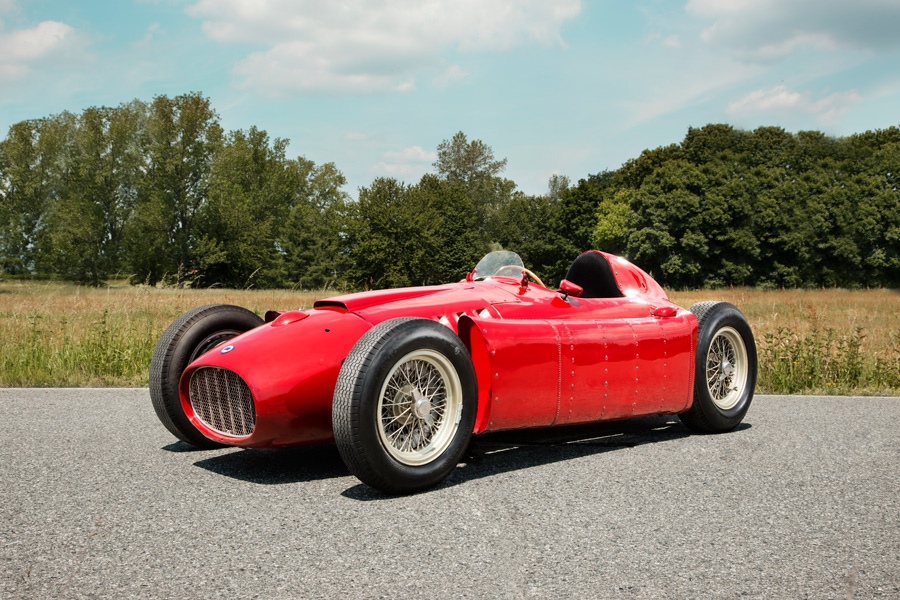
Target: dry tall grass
[53,334]
[820,341]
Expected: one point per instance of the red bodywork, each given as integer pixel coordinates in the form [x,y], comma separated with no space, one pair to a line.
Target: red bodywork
[541,358]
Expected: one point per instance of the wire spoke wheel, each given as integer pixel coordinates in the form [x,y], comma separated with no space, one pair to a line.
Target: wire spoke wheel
[726,368]
[404,405]
[418,407]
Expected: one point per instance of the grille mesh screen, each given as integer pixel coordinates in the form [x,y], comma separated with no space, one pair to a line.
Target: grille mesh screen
[222,400]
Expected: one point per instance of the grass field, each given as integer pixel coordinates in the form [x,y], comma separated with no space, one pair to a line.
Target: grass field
[54,334]
[829,341]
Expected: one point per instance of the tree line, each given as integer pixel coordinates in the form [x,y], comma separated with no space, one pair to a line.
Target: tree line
[764,207]
[159,192]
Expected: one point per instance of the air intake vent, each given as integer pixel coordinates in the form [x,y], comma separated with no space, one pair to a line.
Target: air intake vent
[222,401]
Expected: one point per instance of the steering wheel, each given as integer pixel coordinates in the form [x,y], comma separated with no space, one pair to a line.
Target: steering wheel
[536,279]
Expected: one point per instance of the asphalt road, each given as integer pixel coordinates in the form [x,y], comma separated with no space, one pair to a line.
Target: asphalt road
[98,501]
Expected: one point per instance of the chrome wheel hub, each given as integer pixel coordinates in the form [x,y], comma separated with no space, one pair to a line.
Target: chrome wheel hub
[421,405]
[727,370]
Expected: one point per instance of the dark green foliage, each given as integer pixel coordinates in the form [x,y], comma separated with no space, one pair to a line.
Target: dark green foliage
[311,237]
[83,234]
[253,189]
[525,229]
[412,235]
[471,166]
[573,221]
[30,177]
[182,137]
[388,237]
[764,207]
[456,243]
[159,192]
[428,233]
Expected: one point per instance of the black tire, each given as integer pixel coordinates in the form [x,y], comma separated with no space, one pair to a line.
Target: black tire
[725,372]
[432,407]
[189,336]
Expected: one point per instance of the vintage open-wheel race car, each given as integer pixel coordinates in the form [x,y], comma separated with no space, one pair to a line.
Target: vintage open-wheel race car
[401,379]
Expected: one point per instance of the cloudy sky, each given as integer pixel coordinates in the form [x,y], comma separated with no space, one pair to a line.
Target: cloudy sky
[555,86]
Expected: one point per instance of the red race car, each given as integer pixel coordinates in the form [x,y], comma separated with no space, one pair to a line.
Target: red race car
[401,379]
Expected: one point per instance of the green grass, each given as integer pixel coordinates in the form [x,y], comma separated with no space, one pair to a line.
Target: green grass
[57,334]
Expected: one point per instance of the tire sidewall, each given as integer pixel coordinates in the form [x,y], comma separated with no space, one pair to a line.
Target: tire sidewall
[417,334]
[720,316]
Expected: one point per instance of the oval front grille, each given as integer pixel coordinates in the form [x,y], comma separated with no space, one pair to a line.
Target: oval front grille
[222,401]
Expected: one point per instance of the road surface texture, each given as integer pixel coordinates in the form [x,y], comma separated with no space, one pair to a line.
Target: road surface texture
[97,500]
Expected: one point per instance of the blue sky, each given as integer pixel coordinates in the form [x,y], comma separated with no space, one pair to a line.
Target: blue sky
[555,86]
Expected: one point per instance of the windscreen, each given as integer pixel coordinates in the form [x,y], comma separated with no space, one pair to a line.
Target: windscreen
[494,263]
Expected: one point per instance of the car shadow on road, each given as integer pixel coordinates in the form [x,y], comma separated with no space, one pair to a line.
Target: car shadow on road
[490,454]
[495,453]
[278,466]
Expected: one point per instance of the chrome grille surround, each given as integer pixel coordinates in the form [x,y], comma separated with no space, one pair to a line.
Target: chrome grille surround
[222,401]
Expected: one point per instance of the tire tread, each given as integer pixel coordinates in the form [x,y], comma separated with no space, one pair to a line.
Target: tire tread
[347,392]
[164,393]
[352,407]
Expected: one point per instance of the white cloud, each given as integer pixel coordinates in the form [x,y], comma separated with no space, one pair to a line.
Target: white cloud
[784,48]
[673,41]
[356,136]
[30,44]
[7,6]
[449,77]
[153,31]
[349,46]
[770,30]
[678,89]
[392,170]
[411,162]
[723,7]
[782,102]
[411,154]
[25,49]
[778,97]
[289,68]
[9,72]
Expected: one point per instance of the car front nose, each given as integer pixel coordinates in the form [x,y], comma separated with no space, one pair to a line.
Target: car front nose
[272,386]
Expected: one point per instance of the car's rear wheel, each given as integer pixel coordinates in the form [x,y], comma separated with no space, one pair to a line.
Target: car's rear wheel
[404,405]
[188,337]
[725,371]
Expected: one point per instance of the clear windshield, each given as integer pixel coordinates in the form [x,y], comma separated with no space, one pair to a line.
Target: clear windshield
[499,263]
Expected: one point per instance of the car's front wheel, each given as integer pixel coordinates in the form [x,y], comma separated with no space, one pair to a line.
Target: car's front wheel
[725,370]
[404,405]
[188,337]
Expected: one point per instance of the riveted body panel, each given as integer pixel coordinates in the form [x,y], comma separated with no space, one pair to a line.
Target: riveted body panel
[524,372]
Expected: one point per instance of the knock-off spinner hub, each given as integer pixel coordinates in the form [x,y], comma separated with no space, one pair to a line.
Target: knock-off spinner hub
[727,369]
[421,404]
